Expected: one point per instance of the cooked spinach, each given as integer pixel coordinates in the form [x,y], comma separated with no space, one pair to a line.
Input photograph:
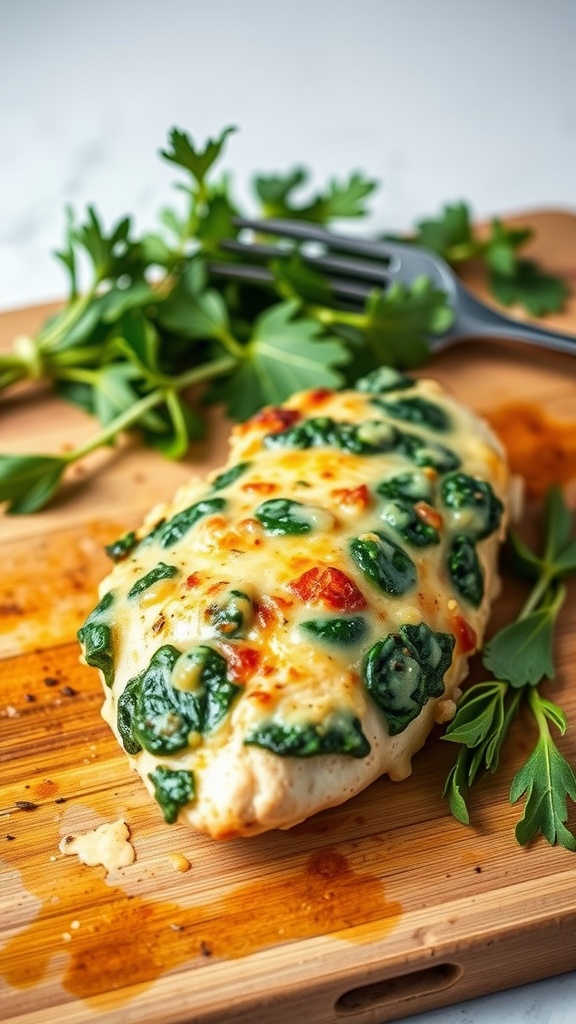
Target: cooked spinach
[428,453]
[281,516]
[478,509]
[121,548]
[233,617]
[366,438]
[401,517]
[159,572]
[230,476]
[337,630]
[175,528]
[384,562]
[465,569]
[173,789]
[156,715]
[417,410]
[96,636]
[385,378]
[405,670]
[413,485]
[339,734]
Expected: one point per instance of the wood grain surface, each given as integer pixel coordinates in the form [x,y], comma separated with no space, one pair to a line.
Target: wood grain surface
[368,912]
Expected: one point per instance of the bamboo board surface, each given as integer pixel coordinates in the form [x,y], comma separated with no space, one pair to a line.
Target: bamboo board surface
[368,912]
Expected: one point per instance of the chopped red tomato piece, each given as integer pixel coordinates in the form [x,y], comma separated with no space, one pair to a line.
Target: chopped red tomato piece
[428,515]
[330,587]
[242,660]
[274,419]
[466,638]
[318,396]
[355,498]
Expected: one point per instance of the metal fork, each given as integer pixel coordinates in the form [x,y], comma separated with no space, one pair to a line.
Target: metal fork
[355,266]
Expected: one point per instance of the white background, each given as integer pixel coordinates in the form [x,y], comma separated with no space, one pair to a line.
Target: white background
[438,99]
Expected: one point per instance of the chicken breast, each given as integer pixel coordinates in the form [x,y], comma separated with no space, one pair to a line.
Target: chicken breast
[282,634]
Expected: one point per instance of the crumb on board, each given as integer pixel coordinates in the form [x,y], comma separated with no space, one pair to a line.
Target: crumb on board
[108,846]
[179,862]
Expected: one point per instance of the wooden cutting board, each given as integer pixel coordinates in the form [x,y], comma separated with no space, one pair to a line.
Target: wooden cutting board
[381,908]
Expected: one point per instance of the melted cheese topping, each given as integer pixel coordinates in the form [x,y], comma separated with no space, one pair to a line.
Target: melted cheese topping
[237,564]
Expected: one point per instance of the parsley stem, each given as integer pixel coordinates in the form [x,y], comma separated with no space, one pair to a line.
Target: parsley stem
[536,594]
[215,368]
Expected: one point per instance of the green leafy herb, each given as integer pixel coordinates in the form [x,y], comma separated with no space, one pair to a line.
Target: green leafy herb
[156,334]
[233,617]
[401,517]
[229,476]
[512,278]
[521,658]
[338,734]
[173,789]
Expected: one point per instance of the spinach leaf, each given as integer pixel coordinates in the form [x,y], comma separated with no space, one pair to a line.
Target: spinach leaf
[173,530]
[173,789]
[96,636]
[339,734]
[428,453]
[159,572]
[401,517]
[405,670]
[121,548]
[155,714]
[233,617]
[465,569]
[420,411]
[385,378]
[384,563]
[281,516]
[230,476]
[414,486]
[341,631]
[477,509]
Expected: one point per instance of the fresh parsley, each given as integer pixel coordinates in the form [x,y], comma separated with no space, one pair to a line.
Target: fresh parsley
[153,334]
[513,280]
[521,657]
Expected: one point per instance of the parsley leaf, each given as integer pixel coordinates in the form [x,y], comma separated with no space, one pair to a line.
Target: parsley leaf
[285,353]
[547,781]
[530,287]
[521,657]
[155,318]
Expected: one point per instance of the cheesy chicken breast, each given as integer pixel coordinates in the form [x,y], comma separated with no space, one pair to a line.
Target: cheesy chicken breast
[282,634]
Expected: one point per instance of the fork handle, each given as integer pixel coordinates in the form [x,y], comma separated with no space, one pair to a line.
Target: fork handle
[477,320]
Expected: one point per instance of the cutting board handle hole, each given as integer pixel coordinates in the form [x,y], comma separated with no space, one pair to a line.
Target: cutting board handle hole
[403,986]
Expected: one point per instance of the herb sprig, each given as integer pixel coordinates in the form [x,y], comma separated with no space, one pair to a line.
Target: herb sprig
[521,657]
[152,327]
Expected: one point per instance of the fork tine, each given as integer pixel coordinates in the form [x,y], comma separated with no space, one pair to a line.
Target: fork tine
[404,262]
[251,273]
[366,270]
[304,232]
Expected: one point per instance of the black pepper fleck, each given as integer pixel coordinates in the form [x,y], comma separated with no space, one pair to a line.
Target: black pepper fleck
[60,800]
[29,697]
[26,805]
[50,681]
[68,691]
[205,949]
[9,838]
